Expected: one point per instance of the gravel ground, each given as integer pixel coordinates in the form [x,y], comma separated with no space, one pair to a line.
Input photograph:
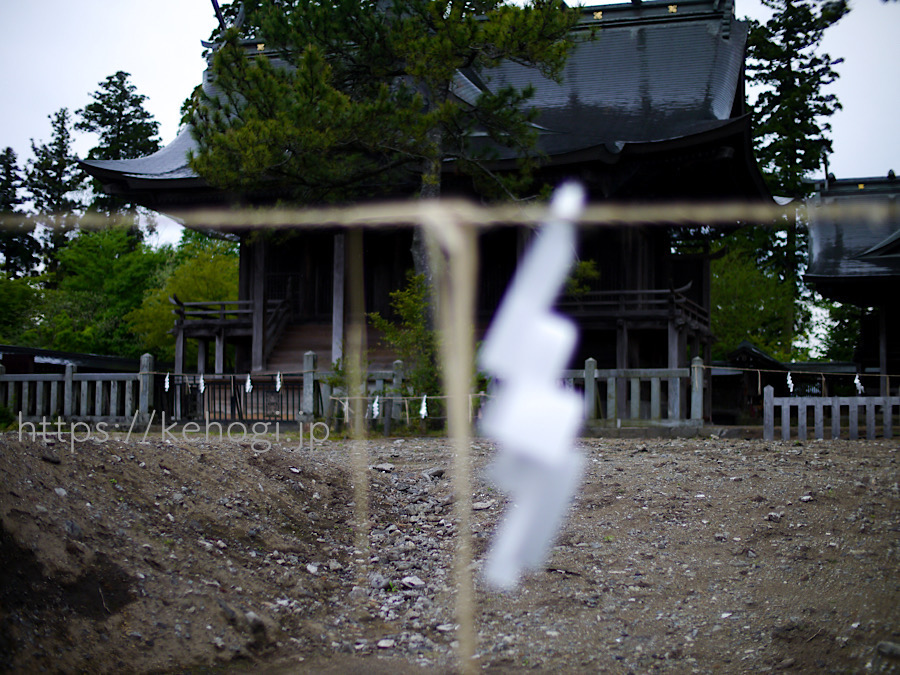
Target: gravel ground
[679,555]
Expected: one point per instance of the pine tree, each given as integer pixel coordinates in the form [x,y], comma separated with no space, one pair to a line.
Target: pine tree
[791,113]
[18,247]
[358,94]
[52,181]
[791,124]
[125,128]
[358,97]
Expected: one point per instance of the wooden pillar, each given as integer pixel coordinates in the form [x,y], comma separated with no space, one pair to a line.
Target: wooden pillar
[674,343]
[69,390]
[202,355]
[707,374]
[697,389]
[258,297]
[145,388]
[179,368]
[882,353]
[590,389]
[337,301]
[621,364]
[308,404]
[220,352]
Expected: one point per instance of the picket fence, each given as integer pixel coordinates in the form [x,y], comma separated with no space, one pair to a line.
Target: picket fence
[797,407]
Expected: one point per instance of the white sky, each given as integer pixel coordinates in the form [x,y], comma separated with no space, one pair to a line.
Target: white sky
[55,53]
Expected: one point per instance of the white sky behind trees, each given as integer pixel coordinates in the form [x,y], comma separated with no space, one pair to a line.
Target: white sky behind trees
[55,53]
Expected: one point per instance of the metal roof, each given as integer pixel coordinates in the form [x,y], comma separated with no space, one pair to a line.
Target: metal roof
[854,251]
[651,72]
[643,77]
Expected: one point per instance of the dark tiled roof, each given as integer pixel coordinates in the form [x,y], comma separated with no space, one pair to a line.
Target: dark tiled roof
[847,251]
[167,163]
[654,73]
[647,75]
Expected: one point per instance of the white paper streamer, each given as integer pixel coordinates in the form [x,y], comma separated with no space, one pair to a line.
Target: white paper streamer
[375,409]
[534,418]
[278,381]
[248,385]
[202,384]
[423,409]
[166,382]
[790,383]
[859,388]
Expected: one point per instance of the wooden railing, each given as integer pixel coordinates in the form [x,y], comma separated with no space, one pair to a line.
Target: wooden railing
[635,304]
[800,405]
[653,396]
[225,310]
[74,397]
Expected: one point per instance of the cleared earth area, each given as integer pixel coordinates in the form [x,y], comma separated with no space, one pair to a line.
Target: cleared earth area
[679,555]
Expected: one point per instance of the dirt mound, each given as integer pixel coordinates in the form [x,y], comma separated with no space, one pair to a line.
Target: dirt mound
[679,555]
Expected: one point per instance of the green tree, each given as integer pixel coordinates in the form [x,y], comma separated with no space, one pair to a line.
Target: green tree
[791,74]
[103,276]
[749,303]
[125,129]
[792,108]
[369,86]
[18,247]
[202,269]
[53,180]
[411,337]
[18,300]
[842,338]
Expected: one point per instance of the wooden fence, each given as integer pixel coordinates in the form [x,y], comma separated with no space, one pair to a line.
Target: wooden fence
[791,407]
[80,397]
[641,396]
[638,396]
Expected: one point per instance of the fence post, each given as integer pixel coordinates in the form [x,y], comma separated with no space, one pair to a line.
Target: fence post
[590,389]
[3,388]
[69,391]
[612,410]
[769,413]
[145,388]
[309,378]
[887,417]
[397,384]
[389,399]
[697,389]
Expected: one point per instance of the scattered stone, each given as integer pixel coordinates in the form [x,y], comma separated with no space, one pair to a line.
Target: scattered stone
[412,582]
[386,643]
[50,456]
[384,468]
[483,506]
[890,649]
[60,491]
[774,516]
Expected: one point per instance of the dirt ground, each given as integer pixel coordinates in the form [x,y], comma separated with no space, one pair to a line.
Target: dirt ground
[679,555]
